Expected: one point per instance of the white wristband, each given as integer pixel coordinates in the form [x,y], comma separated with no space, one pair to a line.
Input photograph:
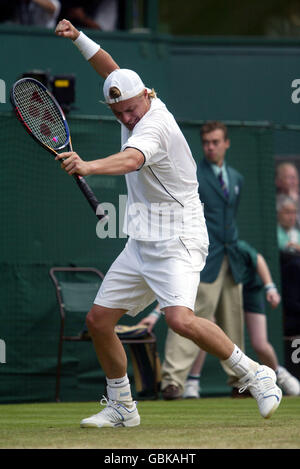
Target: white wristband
[270,286]
[155,313]
[86,46]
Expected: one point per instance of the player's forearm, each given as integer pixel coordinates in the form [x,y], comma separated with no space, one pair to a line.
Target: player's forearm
[118,164]
[100,60]
[103,63]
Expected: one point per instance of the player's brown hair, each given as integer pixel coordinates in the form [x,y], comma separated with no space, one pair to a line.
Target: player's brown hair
[210,126]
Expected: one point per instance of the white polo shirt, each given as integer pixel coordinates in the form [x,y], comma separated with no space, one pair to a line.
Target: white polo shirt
[163,200]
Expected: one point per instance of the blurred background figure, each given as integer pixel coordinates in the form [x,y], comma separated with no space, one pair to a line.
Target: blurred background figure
[7,11]
[287,183]
[287,180]
[287,24]
[94,14]
[42,13]
[288,236]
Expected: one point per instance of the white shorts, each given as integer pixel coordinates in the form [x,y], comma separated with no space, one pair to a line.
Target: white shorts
[167,271]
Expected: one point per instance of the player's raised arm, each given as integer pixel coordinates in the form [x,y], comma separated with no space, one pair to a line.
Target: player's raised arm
[100,60]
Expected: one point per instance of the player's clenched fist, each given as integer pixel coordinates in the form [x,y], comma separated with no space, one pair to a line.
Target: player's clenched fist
[73,164]
[65,29]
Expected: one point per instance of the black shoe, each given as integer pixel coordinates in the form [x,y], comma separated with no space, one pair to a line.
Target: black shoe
[171,392]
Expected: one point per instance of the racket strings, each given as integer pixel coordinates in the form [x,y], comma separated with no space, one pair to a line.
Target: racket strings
[40,114]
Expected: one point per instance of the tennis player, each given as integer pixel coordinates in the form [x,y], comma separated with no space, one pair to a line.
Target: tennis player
[167,244]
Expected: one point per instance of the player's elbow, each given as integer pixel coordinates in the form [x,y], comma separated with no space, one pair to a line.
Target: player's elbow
[134,160]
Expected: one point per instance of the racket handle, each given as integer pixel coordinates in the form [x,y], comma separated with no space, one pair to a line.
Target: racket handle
[90,196]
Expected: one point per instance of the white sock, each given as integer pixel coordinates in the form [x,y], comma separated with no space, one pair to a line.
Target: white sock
[240,363]
[117,382]
[118,389]
[193,377]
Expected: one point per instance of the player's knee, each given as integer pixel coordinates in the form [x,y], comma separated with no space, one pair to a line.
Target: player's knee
[181,325]
[96,320]
[90,321]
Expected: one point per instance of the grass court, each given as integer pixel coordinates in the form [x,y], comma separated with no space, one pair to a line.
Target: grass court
[208,423]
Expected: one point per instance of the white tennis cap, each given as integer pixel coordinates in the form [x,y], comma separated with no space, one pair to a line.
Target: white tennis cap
[127,81]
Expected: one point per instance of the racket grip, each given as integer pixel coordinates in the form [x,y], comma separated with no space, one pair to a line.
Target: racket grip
[90,196]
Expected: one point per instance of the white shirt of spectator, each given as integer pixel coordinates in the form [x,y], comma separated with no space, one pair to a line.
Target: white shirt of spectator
[40,17]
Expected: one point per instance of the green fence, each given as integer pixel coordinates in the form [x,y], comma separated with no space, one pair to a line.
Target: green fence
[46,222]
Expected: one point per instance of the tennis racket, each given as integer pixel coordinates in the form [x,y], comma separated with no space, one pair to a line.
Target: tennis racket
[43,118]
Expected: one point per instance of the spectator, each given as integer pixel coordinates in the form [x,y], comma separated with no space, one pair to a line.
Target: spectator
[7,11]
[287,183]
[290,275]
[287,24]
[106,15]
[95,14]
[288,234]
[220,290]
[287,180]
[42,13]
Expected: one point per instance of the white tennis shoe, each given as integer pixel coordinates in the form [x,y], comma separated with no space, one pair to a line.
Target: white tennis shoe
[115,414]
[191,389]
[262,386]
[288,383]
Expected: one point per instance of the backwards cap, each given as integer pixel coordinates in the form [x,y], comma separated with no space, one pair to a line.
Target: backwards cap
[127,81]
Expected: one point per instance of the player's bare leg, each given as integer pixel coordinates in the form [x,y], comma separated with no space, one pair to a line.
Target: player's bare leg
[101,324]
[206,334]
[260,380]
[120,409]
